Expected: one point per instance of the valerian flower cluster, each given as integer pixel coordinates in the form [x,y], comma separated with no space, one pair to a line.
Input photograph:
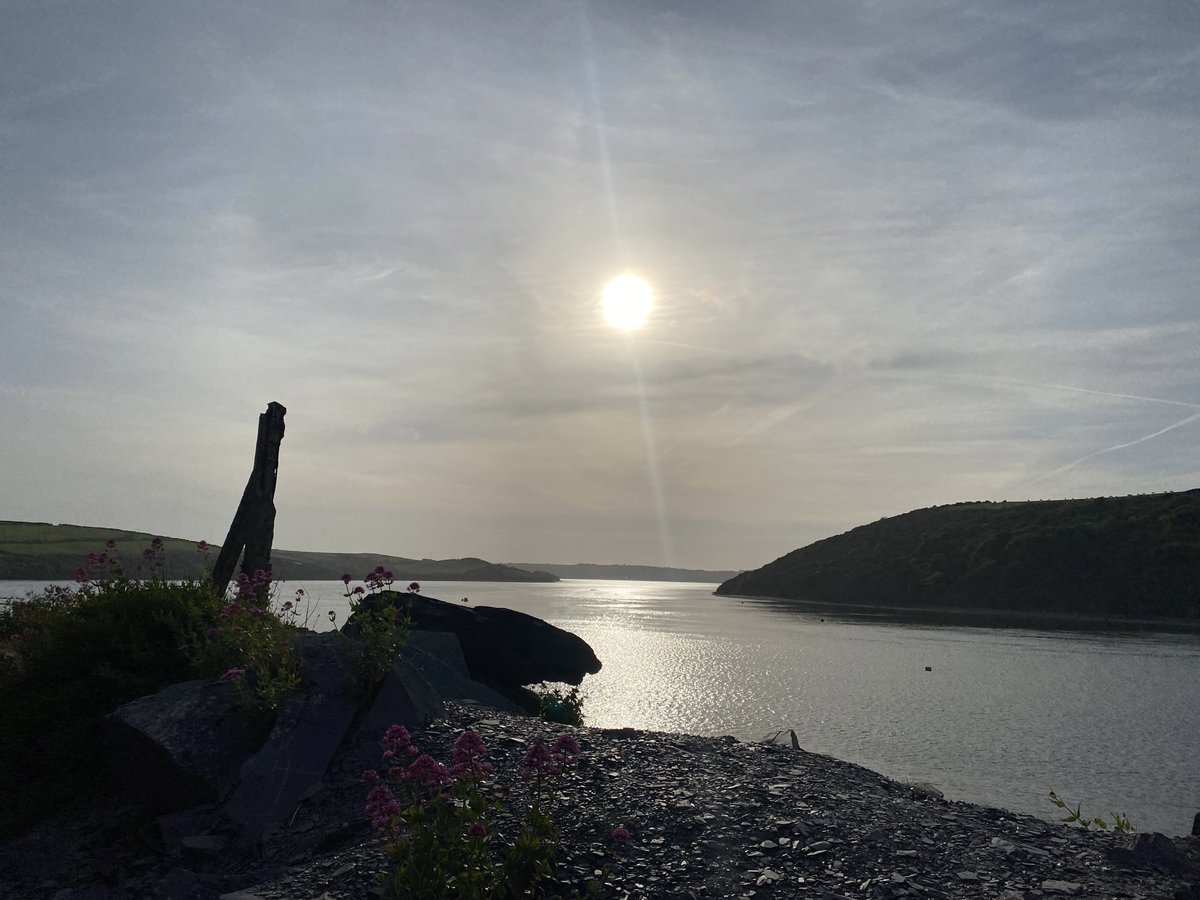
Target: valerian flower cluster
[441,820]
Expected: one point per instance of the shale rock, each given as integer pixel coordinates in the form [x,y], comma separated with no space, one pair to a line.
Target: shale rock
[503,648]
[179,747]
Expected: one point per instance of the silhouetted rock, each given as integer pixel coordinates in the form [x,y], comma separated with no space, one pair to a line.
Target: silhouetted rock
[438,656]
[502,648]
[1153,851]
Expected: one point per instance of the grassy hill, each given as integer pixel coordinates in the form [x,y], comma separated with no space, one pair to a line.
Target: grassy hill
[1108,556]
[32,551]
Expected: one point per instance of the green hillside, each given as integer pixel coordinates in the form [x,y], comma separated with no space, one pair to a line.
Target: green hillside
[33,551]
[1109,556]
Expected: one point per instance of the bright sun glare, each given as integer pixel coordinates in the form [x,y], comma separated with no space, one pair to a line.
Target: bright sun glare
[627,302]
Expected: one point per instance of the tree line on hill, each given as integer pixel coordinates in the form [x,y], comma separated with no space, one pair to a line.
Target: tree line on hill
[1122,557]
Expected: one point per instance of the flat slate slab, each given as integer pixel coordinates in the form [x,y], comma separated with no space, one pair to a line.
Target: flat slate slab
[309,730]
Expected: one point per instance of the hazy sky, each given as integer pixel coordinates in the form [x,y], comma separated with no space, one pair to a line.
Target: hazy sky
[905,254]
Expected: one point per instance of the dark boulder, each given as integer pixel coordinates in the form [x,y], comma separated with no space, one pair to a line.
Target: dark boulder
[1153,851]
[179,747]
[502,648]
[438,656]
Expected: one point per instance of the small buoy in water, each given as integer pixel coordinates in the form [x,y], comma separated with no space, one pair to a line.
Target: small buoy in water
[929,668]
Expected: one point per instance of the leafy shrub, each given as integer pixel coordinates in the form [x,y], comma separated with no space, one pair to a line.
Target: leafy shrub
[381,627]
[69,656]
[562,707]
[250,644]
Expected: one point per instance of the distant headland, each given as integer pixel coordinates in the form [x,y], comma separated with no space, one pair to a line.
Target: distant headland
[628,573]
[39,551]
[1115,557]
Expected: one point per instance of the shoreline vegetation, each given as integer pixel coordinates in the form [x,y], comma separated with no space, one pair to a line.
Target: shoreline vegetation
[1128,560]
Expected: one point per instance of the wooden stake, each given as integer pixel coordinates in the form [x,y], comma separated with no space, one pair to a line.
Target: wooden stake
[253,526]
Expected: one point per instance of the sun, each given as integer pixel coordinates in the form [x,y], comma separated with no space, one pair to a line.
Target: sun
[627,301]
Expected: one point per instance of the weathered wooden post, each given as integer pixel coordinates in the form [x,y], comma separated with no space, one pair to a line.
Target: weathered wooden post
[253,526]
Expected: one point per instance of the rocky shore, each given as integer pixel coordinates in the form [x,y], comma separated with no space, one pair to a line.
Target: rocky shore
[708,818]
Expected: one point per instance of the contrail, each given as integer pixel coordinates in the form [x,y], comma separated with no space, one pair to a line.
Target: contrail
[1080,390]
[1142,439]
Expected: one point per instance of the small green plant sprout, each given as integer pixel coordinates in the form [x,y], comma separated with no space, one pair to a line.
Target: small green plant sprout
[1120,824]
[564,707]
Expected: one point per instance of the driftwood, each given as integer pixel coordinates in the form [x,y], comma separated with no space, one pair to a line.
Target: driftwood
[253,526]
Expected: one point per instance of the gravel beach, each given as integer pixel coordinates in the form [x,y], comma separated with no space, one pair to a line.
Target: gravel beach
[708,818]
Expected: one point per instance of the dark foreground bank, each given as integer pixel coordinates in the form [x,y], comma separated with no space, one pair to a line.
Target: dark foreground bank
[708,817]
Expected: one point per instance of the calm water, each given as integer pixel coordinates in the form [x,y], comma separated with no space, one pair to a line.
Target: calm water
[1005,715]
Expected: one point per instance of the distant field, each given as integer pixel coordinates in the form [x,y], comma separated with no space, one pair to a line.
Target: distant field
[41,551]
[41,538]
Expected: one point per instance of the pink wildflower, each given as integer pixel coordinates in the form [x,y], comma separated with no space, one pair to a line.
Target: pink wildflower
[382,806]
[202,546]
[476,830]
[346,579]
[428,770]
[540,761]
[370,776]
[468,747]
[396,739]
[414,588]
[620,834]
[111,544]
[567,745]
[236,674]
[81,574]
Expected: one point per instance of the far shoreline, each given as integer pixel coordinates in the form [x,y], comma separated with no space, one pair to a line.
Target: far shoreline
[1012,618]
